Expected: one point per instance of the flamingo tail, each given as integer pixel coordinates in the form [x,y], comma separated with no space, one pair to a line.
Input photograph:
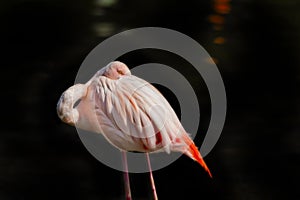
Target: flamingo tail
[194,153]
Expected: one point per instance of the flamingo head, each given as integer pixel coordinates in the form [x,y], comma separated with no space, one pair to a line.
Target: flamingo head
[66,106]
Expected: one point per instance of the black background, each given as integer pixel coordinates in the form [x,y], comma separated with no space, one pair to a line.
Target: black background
[43,44]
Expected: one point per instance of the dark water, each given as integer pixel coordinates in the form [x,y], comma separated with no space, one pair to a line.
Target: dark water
[255,45]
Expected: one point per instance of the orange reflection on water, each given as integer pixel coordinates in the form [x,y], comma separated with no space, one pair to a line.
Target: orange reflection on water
[211,60]
[216,19]
[219,40]
[222,6]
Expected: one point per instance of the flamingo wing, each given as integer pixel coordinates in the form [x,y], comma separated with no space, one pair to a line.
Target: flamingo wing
[135,110]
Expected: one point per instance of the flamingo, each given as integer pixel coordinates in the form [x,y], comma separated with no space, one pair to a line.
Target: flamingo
[130,113]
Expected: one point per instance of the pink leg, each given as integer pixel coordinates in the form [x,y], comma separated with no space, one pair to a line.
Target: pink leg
[126,176]
[151,177]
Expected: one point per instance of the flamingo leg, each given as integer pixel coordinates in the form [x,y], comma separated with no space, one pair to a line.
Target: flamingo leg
[126,176]
[151,177]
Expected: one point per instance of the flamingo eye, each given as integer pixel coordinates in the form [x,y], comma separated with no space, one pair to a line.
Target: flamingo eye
[76,103]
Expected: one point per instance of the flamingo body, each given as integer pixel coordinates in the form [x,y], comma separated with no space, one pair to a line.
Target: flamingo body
[130,113]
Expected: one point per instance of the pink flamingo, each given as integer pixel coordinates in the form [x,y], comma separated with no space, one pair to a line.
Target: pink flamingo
[130,113]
